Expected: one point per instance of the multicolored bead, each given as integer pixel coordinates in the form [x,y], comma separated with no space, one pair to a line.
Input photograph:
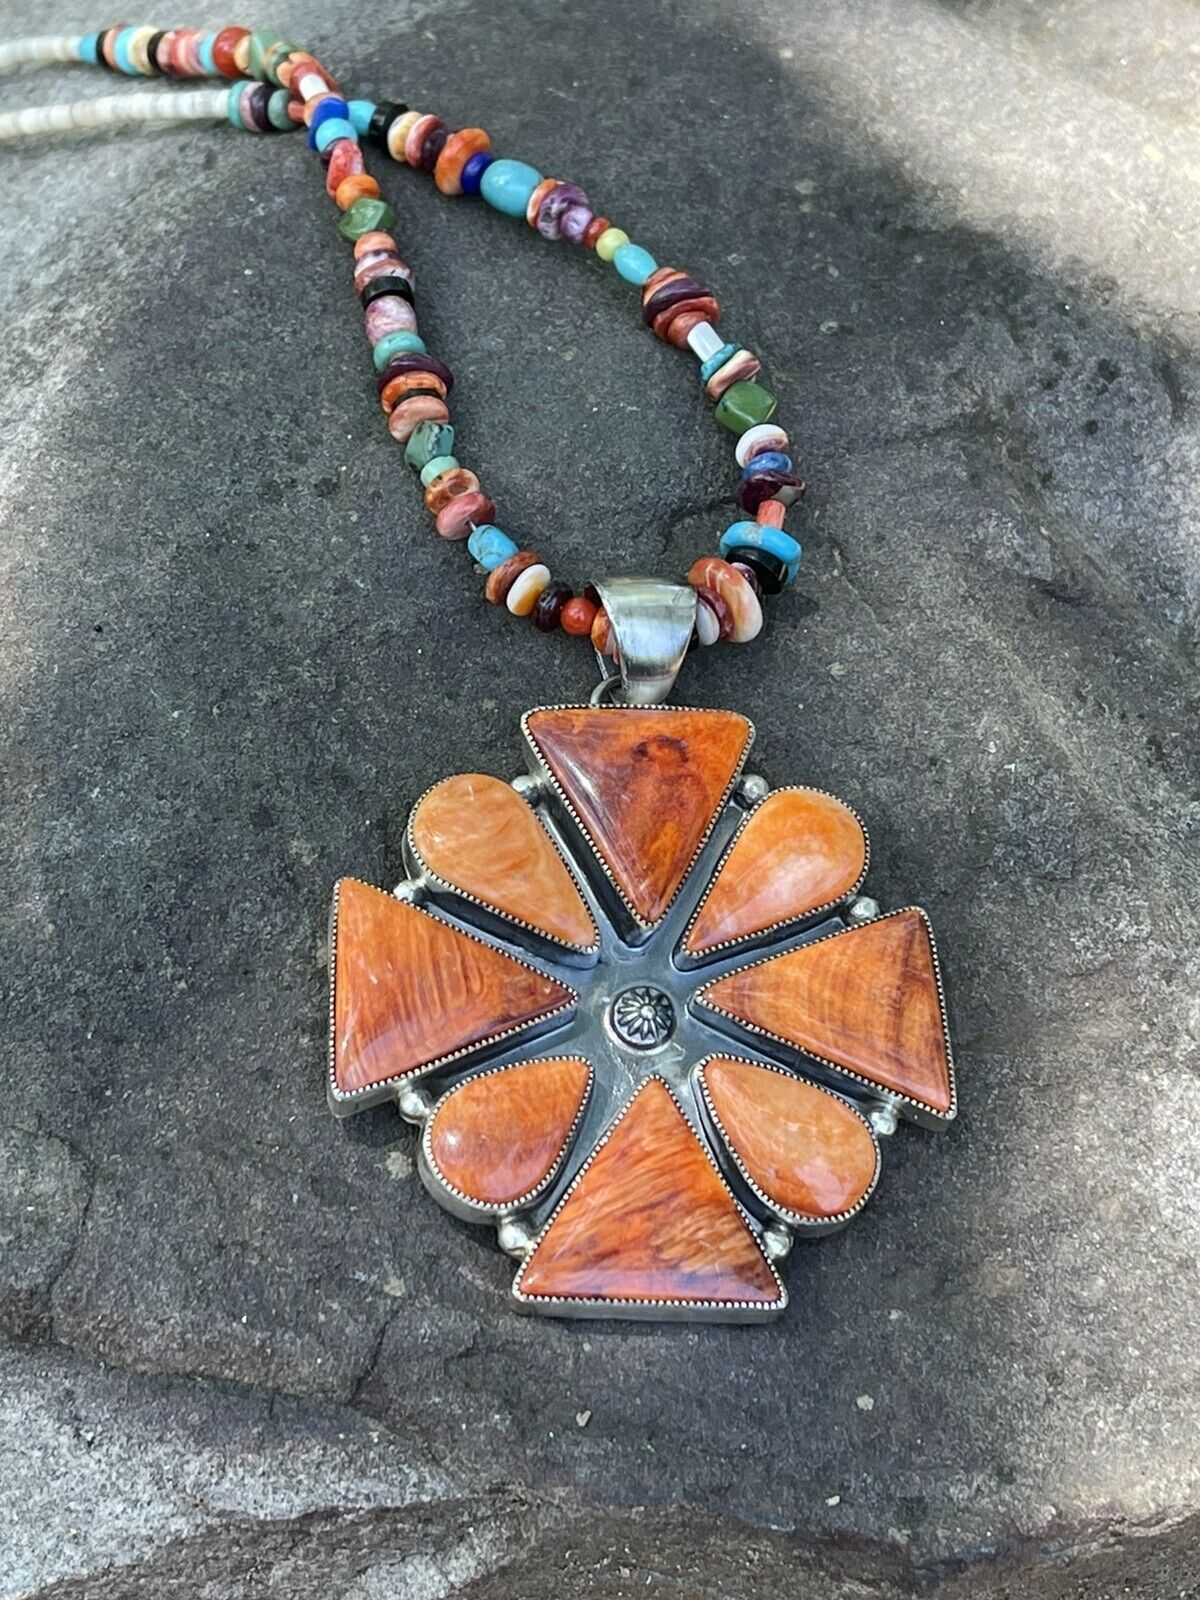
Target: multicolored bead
[755,441]
[464,512]
[716,578]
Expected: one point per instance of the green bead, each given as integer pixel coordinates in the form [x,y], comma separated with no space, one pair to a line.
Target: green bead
[742,406]
[434,466]
[426,442]
[260,43]
[366,216]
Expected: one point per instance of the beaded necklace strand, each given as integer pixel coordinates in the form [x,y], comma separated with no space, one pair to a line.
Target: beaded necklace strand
[275,87]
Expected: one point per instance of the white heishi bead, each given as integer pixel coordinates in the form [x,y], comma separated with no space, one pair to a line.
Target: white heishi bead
[311,83]
[532,581]
[704,341]
[708,629]
[752,436]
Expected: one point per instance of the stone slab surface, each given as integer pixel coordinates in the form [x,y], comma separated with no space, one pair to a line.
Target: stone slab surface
[243,1353]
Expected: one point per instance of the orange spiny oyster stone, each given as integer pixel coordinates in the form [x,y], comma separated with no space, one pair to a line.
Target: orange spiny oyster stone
[498,1137]
[799,849]
[477,834]
[650,1219]
[646,785]
[866,999]
[805,1149]
[409,990]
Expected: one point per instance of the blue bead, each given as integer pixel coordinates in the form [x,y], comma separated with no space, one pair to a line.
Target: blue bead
[715,363]
[205,52]
[507,186]
[490,547]
[761,536]
[361,112]
[473,170]
[633,263]
[121,51]
[397,344]
[89,49]
[767,461]
[331,106]
[333,129]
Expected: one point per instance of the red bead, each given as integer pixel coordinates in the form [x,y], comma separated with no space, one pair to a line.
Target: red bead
[577,616]
[223,48]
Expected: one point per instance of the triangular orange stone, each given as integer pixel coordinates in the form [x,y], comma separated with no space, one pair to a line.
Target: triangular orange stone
[650,1219]
[477,834]
[645,784]
[496,1138]
[866,1000]
[803,1148]
[409,990]
[797,851]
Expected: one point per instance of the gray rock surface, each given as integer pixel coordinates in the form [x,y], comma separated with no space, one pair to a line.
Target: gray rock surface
[243,1353]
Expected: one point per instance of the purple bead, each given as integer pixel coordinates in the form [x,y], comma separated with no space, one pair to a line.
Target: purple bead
[769,485]
[415,363]
[432,146]
[672,294]
[473,170]
[549,605]
[576,220]
[561,198]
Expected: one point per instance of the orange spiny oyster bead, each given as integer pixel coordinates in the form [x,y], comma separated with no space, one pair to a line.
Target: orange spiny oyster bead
[448,485]
[673,303]
[358,186]
[501,579]
[455,153]
[405,383]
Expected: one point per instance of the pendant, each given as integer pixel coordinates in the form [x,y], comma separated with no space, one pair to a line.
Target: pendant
[648,1026]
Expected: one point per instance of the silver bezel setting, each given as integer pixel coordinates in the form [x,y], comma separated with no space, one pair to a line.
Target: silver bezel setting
[910,1108]
[765,936]
[439,885]
[651,1309]
[541,768]
[342,1102]
[464,1205]
[809,1226]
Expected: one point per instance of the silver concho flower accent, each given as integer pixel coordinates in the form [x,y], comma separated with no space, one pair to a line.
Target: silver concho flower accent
[643,1017]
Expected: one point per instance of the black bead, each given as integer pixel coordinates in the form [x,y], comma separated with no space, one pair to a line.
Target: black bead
[768,569]
[548,606]
[152,50]
[381,120]
[260,99]
[389,283]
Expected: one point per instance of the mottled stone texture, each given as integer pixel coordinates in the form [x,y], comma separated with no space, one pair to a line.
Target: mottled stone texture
[247,1356]
[645,786]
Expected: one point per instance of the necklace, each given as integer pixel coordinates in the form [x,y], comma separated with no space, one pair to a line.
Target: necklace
[646,1022]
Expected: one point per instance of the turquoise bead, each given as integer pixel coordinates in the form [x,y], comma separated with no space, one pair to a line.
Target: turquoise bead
[231,105]
[434,466]
[361,112]
[507,185]
[121,51]
[761,536]
[634,264]
[334,128]
[426,442]
[89,49]
[205,53]
[490,547]
[277,110]
[707,368]
[397,344]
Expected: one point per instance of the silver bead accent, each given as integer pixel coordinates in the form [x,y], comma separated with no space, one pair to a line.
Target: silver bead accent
[529,787]
[414,1103]
[776,1240]
[514,1238]
[753,788]
[884,1117]
[863,909]
[410,890]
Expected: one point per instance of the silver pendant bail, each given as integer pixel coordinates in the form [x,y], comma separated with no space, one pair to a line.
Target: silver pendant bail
[652,622]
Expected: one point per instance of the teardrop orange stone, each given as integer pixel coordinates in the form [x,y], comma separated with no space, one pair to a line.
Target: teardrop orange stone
[497,1137]
[866,999]
[805,1149]
[650,1219]
[409,989]
[646,786]
[798,850]
[477,834]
